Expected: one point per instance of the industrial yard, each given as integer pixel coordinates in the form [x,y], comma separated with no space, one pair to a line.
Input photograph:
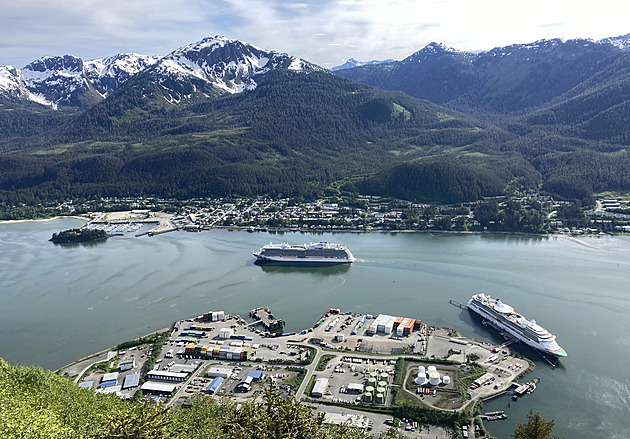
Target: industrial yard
[344,359]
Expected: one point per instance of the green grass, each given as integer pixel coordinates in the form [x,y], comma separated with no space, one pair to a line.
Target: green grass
[399,110]
[323,361]
[309,386]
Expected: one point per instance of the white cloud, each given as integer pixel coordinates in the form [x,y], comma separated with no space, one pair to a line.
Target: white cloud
[325,32]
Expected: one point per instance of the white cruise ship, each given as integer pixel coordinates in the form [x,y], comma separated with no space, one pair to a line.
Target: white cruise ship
[319,253]
[503,317]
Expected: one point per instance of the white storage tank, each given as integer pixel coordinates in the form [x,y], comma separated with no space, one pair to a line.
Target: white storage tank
[446,379]
[434,378]
[421,378]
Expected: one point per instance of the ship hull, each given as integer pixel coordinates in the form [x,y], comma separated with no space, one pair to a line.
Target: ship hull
[499,325]
[307,255]
[300,262]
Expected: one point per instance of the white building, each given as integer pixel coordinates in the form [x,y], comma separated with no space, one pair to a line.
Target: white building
[320,387]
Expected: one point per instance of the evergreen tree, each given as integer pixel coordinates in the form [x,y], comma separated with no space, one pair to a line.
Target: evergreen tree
[535,428]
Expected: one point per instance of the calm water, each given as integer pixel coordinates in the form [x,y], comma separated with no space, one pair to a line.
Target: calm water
[60,303]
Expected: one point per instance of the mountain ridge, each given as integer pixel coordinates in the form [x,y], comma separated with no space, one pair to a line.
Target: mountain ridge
[68,81]
[220,117]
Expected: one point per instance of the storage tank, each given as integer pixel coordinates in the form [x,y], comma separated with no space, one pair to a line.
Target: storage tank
[369,389]
[372,381]
[382,384]
[446,379]
[421,370]
[434,378]
[380,398]
[367,397]
[384,377]
[431,369]
[373,374]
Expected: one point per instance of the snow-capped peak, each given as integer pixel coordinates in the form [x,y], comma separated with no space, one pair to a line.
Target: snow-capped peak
[226,65]
[435,49]
[229,65]
[351,63]
[622,41]
[10,80]
[107,74]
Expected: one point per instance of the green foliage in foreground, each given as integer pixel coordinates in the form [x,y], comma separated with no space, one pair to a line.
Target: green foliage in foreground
[38,404]
[535,428]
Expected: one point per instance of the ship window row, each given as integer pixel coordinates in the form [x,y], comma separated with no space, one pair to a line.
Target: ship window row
[286,252]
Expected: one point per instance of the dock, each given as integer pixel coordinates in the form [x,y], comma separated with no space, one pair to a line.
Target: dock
[457,304]
[263,316]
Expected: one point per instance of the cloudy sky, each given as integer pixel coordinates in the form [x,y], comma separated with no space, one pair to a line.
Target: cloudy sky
[325,32]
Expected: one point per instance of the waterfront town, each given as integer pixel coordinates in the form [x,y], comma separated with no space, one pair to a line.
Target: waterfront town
[525,213]
[357,369]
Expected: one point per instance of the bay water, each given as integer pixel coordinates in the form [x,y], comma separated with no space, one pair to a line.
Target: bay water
[60,303]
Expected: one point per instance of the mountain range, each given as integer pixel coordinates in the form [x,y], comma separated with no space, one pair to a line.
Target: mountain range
[354,63]
[221,116]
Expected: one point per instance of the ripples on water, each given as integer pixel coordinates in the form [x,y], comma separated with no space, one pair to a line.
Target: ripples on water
[60,303]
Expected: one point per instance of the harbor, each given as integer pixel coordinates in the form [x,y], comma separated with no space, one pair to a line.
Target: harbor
[87,298]
[344,358]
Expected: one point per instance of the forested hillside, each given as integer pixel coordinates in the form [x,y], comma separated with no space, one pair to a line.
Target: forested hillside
[565,103]
[552,114]
[293,135]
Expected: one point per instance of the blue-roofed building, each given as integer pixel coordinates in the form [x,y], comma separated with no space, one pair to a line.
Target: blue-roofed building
[86,384]
[255,374]
[214,385]
[131,381]
[112,376]
[108,383]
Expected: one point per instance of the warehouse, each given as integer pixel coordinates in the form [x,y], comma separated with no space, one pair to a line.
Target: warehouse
[86,384]
[162,389]
[183,368]
[245,385]
[131,381]
[354,388]
[160,375]
[320,387]
[109,380]
[257,375]
[214,385]
[222,372]
[127,365]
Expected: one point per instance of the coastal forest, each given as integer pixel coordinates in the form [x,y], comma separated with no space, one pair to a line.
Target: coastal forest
[439,126]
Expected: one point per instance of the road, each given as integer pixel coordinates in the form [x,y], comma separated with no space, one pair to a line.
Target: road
[182,390]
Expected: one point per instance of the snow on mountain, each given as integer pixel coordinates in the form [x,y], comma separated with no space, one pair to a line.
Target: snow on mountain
[622,41]
[11,80]
[229,65]
[107,74]
[51,79]
[354,63]
[436,49]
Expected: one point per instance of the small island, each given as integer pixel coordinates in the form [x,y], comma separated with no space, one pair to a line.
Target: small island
[78,235]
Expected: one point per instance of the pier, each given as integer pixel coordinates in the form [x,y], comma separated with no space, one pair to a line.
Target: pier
[457,304]
[264,317]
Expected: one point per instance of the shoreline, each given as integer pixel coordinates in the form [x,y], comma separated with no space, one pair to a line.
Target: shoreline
[95,354]
[321,231]
[16,221]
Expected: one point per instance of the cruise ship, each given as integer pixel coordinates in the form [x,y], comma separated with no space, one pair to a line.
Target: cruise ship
[503,317]
[319,253]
